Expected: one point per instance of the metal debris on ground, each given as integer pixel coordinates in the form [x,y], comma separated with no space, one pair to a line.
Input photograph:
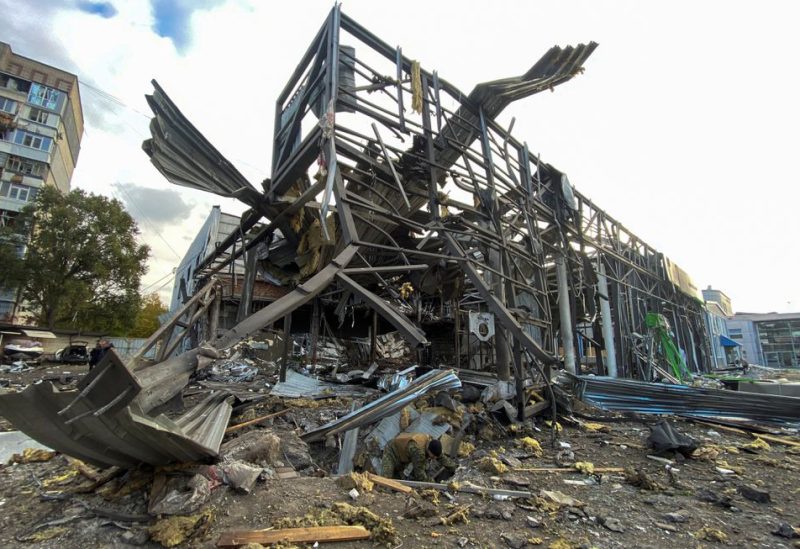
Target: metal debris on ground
[387,404]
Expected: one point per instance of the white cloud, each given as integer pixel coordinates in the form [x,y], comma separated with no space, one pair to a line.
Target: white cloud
[683,126]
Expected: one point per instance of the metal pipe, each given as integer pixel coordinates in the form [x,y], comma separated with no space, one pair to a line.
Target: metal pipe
[566,322]
[607,323]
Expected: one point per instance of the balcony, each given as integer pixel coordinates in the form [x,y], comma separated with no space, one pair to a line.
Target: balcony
[24,152]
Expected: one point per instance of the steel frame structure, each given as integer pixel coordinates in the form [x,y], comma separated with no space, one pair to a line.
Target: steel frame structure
[421,207]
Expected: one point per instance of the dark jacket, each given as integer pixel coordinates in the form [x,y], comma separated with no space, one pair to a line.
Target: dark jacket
[96,355]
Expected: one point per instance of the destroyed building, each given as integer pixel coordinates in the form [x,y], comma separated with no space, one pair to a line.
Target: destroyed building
[395,194]
[410,267]
[397,203]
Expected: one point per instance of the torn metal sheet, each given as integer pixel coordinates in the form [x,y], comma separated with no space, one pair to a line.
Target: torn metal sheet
[398,380]
[435,380]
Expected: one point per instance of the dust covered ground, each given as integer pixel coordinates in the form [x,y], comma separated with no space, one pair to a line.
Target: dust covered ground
[691,503]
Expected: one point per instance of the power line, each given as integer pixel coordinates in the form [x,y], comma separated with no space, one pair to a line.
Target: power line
[147,288]
[160,287]
[114,99]
[117,101]
[146,219]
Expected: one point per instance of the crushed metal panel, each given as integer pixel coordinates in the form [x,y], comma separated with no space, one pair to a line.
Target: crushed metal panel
[102,421]
[299,386]
[440,380]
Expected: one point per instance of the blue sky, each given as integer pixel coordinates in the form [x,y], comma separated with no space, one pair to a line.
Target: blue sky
[172,21]
[103,9]
[173,18]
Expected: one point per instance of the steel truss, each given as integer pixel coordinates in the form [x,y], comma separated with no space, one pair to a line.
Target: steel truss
[394,191]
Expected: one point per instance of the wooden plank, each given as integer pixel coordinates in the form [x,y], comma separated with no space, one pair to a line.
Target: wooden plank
[321,534]
[389,483]
[536,408]
[286,472]
[254,421]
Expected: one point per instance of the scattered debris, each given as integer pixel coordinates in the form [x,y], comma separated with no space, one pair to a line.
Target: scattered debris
[787,531]
[32,455]
[613,524]
[532,445]
[664,437]
[176,530]
[754,494]
[359,481]
[240,475]
[179,496]
[559,498]
[637,477]
[711,534]
[756,446]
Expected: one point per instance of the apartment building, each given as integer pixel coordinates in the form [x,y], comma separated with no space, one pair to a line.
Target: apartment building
[41,126]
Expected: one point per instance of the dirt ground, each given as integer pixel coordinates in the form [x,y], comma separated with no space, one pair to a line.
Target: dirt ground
[691,503]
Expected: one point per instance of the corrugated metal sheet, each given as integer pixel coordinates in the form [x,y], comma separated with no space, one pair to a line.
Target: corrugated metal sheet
[183,155]
[103,423]
[658,398]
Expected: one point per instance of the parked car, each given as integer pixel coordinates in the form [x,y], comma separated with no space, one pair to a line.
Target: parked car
[74,353]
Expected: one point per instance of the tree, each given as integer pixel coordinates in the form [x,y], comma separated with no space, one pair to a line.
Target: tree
[82,265]
[147,318]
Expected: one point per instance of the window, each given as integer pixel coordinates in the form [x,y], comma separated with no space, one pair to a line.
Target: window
[8,218]
[38,115]
[25,166]
[19,192]
[32,140]
[44,96]
[12,83]
[7,105]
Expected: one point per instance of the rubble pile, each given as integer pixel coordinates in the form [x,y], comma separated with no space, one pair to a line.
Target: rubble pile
[526,483]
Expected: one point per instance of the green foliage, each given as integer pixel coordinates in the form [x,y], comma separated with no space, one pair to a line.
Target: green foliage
[82,266]
[147,318]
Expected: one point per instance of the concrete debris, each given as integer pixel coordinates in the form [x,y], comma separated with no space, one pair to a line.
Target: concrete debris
[754,493]
[559,498]
[260,447]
